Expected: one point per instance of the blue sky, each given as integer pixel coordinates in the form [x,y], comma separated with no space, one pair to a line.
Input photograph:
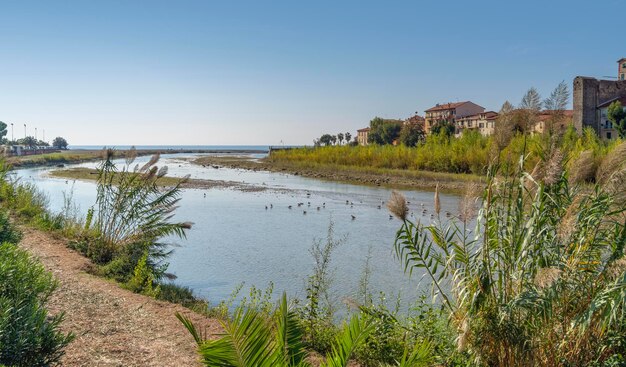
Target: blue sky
[235,72]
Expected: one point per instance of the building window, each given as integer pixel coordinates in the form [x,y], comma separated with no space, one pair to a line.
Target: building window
[621,76]
[624,65]
[608,135]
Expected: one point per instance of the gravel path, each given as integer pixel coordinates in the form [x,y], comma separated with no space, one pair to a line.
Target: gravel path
[113,326]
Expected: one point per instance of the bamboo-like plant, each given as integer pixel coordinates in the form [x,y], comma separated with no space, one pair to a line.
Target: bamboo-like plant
[133,209]
[541,278]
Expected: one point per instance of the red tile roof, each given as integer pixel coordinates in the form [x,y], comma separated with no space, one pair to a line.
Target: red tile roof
[365,129]
[489,115]
[415,119]
[446,106]
[545,115]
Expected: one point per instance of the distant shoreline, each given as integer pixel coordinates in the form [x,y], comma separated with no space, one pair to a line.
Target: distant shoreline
[81,155]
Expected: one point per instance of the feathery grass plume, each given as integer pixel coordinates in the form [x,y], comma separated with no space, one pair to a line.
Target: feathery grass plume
[583,168]
[613,162]
[107,154]
[437,202]
[162,172]
[153,160]
[467,205]
[545,277]
[131,154]
[397,205]
[151,173]
[463,337]
[567,223]
[553,167]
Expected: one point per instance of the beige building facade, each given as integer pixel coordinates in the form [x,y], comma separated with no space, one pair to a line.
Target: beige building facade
[362,135]
[449,113]
[484,122]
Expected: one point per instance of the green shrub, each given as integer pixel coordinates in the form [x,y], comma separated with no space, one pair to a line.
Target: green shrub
[178,294]
[8,232]
[28,335]
[143,280]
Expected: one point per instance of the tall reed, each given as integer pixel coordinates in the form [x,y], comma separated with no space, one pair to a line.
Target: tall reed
[539,281]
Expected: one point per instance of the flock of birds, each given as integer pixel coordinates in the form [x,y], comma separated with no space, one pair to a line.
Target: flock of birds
[348,202]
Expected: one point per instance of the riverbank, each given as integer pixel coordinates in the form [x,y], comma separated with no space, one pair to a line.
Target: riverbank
[113,326]
[393,178]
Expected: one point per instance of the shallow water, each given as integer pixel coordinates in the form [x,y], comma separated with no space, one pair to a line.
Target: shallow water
[235,239]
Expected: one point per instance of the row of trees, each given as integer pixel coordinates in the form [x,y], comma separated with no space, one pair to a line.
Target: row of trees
[525,117]
[30,141]
[391,131]
[328,139]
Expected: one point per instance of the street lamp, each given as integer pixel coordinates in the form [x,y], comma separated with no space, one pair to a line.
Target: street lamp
[12,137]
[35,134]
[24,131]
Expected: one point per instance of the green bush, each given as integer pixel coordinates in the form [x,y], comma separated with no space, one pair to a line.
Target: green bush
[143,280]
[8,233]
[28,335]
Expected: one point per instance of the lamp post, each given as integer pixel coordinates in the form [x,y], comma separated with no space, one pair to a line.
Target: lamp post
[24,131]
[35,134]
[12,138]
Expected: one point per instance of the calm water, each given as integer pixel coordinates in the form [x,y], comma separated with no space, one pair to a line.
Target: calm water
[235,239]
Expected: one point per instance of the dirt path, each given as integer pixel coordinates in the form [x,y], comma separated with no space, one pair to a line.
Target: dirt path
[113,326]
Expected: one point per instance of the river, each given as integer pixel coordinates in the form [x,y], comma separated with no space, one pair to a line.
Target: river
[237,240]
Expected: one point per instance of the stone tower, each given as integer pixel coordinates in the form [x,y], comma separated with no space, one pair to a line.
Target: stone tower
[591,92]
[621,69]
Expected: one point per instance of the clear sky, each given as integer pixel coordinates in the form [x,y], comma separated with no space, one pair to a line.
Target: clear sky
[258,72]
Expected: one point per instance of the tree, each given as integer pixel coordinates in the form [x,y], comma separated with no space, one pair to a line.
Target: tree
[445,127]
[326,139]
[384,131]
[3,130]
[617,116]
[531,100]
[526,117]
[59,143]
[28,141]
[340,138]
[333,139]
[411,134]
[348,136]
[558,98]
[556,105]
[503,130]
